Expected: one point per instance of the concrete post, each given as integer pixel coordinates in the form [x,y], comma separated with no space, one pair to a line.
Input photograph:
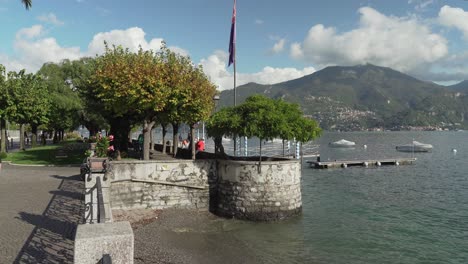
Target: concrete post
[92,242]
[246,149]
[298,149]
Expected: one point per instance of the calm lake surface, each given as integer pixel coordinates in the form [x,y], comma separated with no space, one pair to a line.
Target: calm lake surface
[407,214]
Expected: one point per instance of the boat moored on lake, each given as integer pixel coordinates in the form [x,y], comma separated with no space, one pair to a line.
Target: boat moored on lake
[342,143]
[415,147]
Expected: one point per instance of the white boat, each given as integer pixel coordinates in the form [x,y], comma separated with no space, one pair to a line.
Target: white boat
[342,144]
[415,147]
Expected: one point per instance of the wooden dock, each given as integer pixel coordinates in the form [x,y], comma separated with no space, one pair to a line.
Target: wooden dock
[360,163]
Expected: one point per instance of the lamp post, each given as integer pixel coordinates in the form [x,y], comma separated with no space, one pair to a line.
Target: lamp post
[215,100]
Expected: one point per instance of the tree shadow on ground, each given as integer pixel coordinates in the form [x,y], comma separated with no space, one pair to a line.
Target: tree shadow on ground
[51,241]
[69,178]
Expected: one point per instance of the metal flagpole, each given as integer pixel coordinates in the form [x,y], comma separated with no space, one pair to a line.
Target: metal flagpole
[232,59]
[235,96]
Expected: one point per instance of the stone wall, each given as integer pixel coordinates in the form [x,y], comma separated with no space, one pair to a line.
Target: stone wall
[160,184]
[273,194]
[232,188]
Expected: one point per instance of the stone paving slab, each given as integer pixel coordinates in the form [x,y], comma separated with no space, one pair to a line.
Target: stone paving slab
[40,208]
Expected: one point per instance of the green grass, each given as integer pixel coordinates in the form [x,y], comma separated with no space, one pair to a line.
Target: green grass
[46,155]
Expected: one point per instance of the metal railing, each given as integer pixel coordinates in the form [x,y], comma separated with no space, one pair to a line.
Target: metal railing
[101,212]
[269,148]
[95,193]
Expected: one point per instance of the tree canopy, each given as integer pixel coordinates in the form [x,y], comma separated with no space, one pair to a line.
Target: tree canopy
[151,85]
[263,118]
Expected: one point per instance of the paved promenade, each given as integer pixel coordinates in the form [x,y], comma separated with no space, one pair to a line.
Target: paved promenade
[40,208]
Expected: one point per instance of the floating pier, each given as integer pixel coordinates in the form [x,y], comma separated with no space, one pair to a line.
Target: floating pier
[360,163]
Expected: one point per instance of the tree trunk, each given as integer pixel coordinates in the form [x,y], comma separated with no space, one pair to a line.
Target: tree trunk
[93,130]
[283,147]
[120,129]
[56,139]
[175,138]
[34,136]
[219,148]
[164,131]
[192,142]
[3,134]
[152,139]
[260,162]
[147,127]
[22,137]
[301,153]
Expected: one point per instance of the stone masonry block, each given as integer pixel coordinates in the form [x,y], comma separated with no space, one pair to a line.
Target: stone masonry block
[93,241]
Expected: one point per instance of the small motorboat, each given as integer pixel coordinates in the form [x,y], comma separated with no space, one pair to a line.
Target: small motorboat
[415,147]
[342,144]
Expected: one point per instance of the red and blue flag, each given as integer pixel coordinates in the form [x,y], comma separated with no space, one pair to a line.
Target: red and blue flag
[232,40]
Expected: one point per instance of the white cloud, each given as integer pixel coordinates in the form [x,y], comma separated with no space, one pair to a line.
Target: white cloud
[131,38]
[454,17]
[179,50]
[278,47]
[420,5]
[258,21]
[215,67]
[50,18]
[33,49]
[31,32]
[403,43]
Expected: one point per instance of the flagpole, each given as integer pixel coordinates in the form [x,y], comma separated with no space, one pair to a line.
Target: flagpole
[235,95]
[235,98]
[232,60]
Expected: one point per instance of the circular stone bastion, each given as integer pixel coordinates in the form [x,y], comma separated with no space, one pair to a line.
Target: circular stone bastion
[271,194]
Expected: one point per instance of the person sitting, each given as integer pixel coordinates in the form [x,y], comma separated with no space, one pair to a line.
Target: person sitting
[200,145]
[185,144]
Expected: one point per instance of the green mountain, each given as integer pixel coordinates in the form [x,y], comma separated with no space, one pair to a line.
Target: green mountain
[365,97]
[460,87]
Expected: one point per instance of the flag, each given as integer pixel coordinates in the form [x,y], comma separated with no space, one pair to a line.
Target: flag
[232,40]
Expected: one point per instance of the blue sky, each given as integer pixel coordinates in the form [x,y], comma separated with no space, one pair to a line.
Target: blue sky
[276,40]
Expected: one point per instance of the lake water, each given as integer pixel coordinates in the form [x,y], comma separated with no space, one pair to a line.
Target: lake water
[407,214]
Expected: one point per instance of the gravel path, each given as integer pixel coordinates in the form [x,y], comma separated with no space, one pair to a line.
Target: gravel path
[185,236]
[39,210]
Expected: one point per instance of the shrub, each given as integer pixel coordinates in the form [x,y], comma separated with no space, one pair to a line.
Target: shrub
[104,147]
[72,135]
[92,139]
[3,155]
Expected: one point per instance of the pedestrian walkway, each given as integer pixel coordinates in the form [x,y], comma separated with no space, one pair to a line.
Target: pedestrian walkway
[40,208]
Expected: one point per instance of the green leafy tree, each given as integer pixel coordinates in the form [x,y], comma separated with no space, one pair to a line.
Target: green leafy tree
[175,68]
[198,104]
[223,123]
[92,115]
[31,101]
[189,96]
[132,83]
[5,104]
[65,101]
[263,118]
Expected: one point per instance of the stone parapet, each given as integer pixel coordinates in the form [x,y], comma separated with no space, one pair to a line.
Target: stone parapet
[229,188]
[273,194]
[161,184]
